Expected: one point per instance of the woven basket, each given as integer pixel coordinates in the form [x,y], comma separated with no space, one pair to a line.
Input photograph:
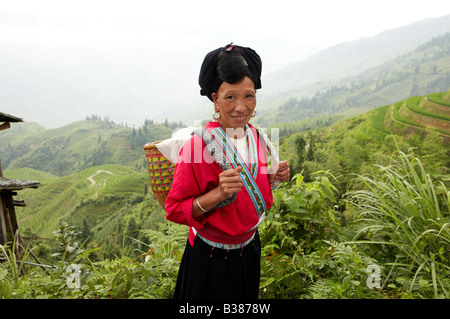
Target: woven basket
[160,172]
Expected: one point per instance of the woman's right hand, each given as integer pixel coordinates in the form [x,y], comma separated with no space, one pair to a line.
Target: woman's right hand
[230,182]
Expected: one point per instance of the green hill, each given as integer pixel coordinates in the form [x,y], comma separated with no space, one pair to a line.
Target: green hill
[420,123]
[77,146]
[30,174]
[102,199]
[72,195]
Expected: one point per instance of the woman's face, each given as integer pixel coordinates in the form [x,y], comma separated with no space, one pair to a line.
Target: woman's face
[236,104]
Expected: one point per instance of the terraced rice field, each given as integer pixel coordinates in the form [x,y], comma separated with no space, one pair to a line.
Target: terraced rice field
[418,112]
[95,192]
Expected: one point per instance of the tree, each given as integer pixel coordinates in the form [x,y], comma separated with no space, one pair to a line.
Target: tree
[131,231]
[299,143]
[354,155]
[312,141]
[85,231]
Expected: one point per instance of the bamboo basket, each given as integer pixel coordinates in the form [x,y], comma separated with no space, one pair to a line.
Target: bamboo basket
[160,172]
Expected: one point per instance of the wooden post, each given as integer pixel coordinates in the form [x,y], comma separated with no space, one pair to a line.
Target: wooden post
[3,229]
[8,215]
[9,224]
[11,211]
[3,232]
[8,220]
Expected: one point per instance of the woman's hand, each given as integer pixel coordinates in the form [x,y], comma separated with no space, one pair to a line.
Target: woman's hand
[230,182]
[283,172]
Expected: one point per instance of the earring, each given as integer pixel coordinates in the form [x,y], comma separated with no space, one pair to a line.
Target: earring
[254,113]
[216,115]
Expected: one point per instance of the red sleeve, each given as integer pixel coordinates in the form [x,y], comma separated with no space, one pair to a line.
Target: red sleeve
[195,173]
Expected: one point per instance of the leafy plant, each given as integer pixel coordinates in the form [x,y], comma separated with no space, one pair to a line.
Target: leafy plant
[14,269]
[304,212]
[68,246]
[292,236]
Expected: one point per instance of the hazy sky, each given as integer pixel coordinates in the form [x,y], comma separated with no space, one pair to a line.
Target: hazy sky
[176,35]
[283,31]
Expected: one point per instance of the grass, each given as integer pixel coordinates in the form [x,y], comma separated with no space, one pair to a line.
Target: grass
[402,210]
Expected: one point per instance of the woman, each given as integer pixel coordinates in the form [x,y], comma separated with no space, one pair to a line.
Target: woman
[223,205]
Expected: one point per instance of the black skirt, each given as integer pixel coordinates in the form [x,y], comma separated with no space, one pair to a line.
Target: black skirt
[207,272]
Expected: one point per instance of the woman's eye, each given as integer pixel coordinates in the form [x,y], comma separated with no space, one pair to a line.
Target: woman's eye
[230,97]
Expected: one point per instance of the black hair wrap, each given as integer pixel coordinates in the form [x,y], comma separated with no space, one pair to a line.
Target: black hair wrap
[209,79]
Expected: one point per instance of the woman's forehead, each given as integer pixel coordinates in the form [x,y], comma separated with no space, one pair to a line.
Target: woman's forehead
[245,85]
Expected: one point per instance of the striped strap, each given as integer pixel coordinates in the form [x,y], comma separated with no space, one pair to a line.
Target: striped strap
[248,174]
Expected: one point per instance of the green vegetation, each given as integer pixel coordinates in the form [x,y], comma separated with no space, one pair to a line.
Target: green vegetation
[80,145]
[366,215]
[387,238]
[395,221]
[399,118]
[77,276]
[403,213]
[108,202]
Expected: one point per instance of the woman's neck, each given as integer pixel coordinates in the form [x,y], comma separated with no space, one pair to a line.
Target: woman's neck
[235,132]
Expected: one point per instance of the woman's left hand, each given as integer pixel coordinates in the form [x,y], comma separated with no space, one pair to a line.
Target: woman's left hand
[282,174]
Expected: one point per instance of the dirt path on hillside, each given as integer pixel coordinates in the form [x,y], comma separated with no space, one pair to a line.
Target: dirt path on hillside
[91,178]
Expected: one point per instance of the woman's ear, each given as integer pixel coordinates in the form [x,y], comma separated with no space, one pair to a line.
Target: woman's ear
[214,98]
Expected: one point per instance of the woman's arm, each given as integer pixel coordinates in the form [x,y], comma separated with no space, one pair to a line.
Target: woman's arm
[194,174]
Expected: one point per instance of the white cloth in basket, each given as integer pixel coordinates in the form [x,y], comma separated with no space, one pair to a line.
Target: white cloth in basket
[171,147]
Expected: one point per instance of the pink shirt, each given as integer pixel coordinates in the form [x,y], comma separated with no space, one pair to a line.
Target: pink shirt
[197,173]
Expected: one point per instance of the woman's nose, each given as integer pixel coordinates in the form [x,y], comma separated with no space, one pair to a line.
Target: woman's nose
[241,105]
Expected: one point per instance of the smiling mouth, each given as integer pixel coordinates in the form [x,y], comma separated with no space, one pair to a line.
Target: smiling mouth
[239,117]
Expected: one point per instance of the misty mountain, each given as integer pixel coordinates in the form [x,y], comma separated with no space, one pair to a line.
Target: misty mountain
[419,72]
[322,70]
